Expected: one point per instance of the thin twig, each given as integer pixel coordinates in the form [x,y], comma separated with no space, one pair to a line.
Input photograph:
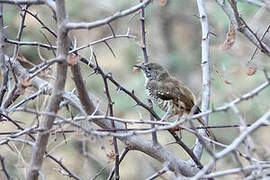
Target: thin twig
[107,20]
[145,55]
[122,155]
[3,64]
[2,160]
[159,173]
[110,106]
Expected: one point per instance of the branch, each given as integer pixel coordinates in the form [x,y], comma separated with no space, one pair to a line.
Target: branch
[107,20]
[258,3]
[122,155]
[2,160]
[3,64]
[53,105]
[206,83]
[145,56]
[110,107]
[230,172]
[36,2]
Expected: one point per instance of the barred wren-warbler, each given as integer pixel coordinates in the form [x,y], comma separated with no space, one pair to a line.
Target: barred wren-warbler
[170,94]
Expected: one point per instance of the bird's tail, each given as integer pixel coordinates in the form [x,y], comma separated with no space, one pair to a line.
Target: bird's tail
[201,121]
[207,131]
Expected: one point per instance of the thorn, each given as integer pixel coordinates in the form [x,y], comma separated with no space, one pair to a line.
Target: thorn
[134,105]
[118,89]
[109,74]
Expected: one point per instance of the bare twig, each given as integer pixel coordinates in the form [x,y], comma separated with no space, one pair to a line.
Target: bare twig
[4,167]
[41,22]
[159,173]
[110,106]
[37,2]
[20,32]
[230,172]
[145,55]
[3,64]
[108,19]
[122,155]
[206,83]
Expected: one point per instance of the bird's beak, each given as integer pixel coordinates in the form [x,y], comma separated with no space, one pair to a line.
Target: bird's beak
[138,66]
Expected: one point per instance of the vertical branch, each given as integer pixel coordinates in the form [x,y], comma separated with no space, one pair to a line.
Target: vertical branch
[4,166]
[21,28]
[205,71]
[143,32]
[145,56]
[39,147]
[3,65]
[123,154]
[110,106]
[12,96]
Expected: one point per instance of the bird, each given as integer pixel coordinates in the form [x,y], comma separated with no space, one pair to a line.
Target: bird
[170,94]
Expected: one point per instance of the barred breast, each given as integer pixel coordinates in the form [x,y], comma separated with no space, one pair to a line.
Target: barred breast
[164,105]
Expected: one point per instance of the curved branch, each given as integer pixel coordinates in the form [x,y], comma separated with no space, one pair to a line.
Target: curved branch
[117,15]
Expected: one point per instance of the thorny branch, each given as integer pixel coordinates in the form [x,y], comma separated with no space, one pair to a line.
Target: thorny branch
[145,57]
[54,101]
[110,108]
[3,64]
[205,64]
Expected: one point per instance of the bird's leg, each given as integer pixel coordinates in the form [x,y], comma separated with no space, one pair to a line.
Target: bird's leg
[167,114]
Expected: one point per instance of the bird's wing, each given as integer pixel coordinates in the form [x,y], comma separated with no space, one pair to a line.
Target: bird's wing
[176,91]
[167,91]
[187,98]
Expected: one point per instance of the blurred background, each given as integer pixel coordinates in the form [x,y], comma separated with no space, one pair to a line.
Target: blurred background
[173,40]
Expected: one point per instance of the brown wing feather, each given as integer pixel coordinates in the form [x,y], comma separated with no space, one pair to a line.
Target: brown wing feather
[171,91]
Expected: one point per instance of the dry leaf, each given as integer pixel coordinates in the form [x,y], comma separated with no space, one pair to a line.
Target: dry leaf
[20,91]
[176,128]
[134,68]
[110,141]
[111,155]
[220,76]
[25,83]
[227,82]
[230,39]
[72,59]
[92,139]
[23,60]
[251,70]
[163,2]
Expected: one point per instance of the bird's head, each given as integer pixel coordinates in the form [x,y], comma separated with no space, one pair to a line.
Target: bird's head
[153,71]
